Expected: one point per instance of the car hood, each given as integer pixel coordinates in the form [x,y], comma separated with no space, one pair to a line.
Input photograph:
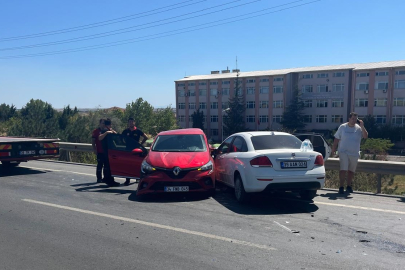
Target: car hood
[177,159]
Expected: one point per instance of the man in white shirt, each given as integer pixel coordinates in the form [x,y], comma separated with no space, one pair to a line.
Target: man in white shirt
[348,137]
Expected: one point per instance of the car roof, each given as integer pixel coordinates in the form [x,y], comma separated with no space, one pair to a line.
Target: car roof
[184,131]
[261,133]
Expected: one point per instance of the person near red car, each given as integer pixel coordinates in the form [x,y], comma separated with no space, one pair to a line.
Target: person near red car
[98,150]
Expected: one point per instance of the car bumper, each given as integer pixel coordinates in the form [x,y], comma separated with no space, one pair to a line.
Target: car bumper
[156,182]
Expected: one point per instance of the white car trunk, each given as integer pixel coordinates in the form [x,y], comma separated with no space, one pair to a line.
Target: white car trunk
[290,159]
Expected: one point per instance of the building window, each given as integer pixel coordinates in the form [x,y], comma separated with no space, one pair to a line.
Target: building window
[362,86]
[322,75]
[307,118]
[263,118]
[400,72]
[264,90]
[398,120]
[182,93]
[225,91]
[191,106]
[203,105]
[399,102]
[225,105]
[250,81]
[239,82]
[191,84]
[307,76]
[203,92]
[338,74]
[337,118]
[277,118]
[321,118]
[213,92]
[278,79]
[307,103]
[250,90]
[363,74]
[214,105]
[340,87]
[214,132]
[337,103]
[381,85]
[226,82]
[380,102]
[182,118]
[361,102]
[214,118]
[182,105]
[399,84]
[250,118]
[277,89]
[381,73]
[202,83]
[250,105]
[263,104]
[322,88]
[191,93]
[180,84]
[278,104]
[239,92]
[322,103]
[307,89]
[264,80]
[380,119]
[213,83]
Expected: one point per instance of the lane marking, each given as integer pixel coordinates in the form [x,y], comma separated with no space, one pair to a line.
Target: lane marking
[286,228]
[52,170]
[155,225]
[361,207]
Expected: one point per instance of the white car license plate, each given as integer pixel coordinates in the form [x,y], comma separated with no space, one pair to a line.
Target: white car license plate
[293,164]
[176,189]
[24,153]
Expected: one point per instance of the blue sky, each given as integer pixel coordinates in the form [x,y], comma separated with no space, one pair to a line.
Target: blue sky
[325,32]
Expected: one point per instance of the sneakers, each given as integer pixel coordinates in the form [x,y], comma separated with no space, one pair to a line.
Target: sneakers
[349,189]
[100,181]
[113,184]
[341,190]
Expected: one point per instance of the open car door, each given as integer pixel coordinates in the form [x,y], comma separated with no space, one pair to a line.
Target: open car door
[318,142]
[125,160]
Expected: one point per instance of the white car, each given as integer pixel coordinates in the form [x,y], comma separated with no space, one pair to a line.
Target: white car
[267,161]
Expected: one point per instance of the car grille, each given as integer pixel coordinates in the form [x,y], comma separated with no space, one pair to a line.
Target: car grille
[161,185]
[171,175]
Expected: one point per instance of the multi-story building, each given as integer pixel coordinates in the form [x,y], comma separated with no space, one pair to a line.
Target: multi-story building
[330,93]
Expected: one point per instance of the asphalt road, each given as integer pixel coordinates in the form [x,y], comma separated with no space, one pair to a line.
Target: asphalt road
[54,216]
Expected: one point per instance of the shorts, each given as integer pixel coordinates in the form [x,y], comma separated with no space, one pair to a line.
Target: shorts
[347,162]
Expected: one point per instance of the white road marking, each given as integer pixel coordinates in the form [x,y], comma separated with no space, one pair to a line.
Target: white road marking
[361,207]
[285,228]
[155,225]
[52,170]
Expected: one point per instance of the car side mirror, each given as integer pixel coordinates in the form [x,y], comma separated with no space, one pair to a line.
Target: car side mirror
[137,151]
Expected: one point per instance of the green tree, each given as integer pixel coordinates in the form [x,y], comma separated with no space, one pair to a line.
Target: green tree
[234,119]
[293,116]
[376,147]
[66,114]
[164,119]
[198,119]
[142,112]
[7,111]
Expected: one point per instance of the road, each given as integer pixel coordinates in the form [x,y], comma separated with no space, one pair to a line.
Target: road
[54,216]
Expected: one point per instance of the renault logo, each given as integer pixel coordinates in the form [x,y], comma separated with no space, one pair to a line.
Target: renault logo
[176,170]
[292,155]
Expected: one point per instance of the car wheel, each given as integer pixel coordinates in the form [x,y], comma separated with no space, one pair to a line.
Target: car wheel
[308,194]
[240,193]
[211,192]
[8,164]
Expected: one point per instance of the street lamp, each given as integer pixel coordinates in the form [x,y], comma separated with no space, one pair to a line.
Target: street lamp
[222,121]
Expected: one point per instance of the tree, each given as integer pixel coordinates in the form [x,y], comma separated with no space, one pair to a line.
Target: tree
[376,147]
[234,119]
[198,119]
[164,119]
[293,117]
[7,111]
[142,112]
[66,114]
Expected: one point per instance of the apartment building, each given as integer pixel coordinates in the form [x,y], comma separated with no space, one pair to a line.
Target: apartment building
[329,93]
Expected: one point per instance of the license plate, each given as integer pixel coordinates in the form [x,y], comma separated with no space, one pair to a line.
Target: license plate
[293,164]
[176,189]
[24,153]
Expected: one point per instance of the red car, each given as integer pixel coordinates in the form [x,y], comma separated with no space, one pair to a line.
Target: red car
[178,161]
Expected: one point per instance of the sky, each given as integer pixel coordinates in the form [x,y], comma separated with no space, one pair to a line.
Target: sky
[158,42]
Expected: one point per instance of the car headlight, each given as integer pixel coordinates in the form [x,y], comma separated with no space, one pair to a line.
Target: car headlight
[207,167]
[146,168]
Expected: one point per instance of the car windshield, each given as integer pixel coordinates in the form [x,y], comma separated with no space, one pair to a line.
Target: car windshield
[180,143]
[264,142]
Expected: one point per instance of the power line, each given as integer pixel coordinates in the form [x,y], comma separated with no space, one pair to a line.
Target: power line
[164,34]
[125,30]
[102,23]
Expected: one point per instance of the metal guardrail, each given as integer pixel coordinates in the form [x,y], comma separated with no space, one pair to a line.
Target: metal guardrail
[368,166]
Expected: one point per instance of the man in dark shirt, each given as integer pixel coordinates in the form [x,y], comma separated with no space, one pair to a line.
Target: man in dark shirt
[98,149]
[131,137]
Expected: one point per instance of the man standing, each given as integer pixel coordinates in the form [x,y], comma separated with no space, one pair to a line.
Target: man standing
[131,137]
[109,180]
[98,149]
[349,136]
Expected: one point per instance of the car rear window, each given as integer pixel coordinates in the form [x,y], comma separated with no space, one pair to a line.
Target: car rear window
[180,143]
[264,142]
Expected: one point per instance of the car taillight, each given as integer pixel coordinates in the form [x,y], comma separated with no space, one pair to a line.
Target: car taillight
[262,161]
[319,160]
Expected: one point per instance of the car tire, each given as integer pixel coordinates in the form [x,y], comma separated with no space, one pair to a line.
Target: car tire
[308,194]
[8,164]
[211,192]
[240,193]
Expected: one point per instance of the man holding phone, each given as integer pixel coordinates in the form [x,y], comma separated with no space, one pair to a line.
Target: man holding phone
[348,137]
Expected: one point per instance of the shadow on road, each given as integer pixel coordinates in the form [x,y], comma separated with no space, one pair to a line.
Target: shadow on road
[168,197]
[13,171]
[336,196]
